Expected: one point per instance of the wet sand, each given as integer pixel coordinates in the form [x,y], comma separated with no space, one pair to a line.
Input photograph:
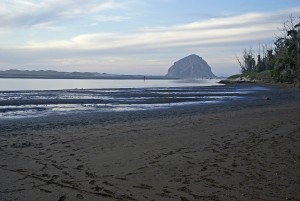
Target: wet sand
[247,150]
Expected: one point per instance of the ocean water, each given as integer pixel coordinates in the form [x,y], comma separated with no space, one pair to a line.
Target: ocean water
[23,98]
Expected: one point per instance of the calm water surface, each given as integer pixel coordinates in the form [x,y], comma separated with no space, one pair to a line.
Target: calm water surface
[58,84]
[23,98]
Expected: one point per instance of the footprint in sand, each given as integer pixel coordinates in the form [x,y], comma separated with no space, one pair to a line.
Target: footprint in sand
[92,182]
[54,177]
[184,189]
[97,188]
[79,167]
[62,198]
[204,168]
[107,183]
[121,178]
[79,196]
[143,186]
[45,190]
[90,175]
[144,167]
[183,199]
[165,195]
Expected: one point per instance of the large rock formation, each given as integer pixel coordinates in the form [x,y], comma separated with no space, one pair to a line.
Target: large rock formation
[191,66]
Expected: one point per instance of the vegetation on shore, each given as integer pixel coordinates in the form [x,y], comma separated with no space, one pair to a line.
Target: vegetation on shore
[263,75]
[280,62]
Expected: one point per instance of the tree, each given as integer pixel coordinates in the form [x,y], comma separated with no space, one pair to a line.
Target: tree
[283,59]
[247,62]
[287,53]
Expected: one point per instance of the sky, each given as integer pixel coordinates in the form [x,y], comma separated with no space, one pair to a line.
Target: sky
[142,37]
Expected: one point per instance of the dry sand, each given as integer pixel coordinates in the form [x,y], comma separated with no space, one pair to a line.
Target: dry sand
[247,153]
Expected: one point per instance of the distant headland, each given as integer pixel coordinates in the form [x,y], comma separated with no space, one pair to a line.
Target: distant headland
[190,67]
[50,74]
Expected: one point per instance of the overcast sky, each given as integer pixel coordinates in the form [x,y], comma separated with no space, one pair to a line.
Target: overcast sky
[135,36]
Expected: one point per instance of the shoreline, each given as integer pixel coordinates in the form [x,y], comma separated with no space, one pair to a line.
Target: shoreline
[20,104]
[112,77]
[275,96]
[246,150]
[270,83]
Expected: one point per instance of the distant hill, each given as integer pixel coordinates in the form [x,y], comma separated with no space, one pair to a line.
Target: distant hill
[44,73]
[50,74]
[191,66]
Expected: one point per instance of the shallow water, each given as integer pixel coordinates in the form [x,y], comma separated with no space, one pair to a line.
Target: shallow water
[35,103]
[9,84]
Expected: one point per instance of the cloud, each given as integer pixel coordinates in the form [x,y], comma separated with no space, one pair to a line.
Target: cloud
[232,29]
[28,13]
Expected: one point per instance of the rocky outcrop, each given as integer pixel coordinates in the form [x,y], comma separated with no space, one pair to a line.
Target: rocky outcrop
[191,66]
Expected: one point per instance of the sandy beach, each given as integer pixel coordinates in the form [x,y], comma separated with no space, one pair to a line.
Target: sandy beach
[247,150]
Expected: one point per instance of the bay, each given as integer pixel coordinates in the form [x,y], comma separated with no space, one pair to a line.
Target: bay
[24,98]
[12,84]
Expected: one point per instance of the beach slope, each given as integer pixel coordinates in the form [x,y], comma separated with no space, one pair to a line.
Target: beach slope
[248,153]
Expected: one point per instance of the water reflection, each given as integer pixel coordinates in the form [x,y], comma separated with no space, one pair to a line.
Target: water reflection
[20,104]
[59,84]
